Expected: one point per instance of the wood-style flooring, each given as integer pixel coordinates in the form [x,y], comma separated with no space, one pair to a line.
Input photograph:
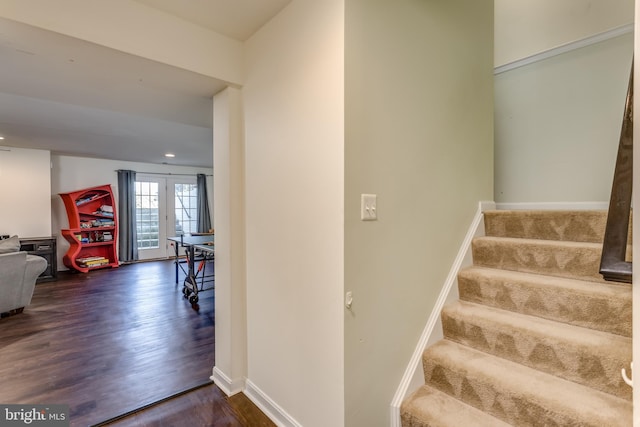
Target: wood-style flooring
[111,341]
[206,406]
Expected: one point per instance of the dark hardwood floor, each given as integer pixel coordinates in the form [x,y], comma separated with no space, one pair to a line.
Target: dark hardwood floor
[112,341]
[206,406]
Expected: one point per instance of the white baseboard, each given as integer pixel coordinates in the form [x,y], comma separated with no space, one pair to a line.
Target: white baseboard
[228,386]
[577,206]
[278,415]
[271,409]
[413,376]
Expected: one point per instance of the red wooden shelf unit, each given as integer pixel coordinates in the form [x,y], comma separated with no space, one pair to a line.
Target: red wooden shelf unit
[93,228]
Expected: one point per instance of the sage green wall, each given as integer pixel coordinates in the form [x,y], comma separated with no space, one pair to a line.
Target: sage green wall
[528,27]
[419,134]
[557,124]
[557,120]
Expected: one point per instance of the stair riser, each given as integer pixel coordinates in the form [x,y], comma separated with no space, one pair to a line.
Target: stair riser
[607,312]
[577,226]
[431,408]
[589,364]
[503,405]
[576,262]
[511,405]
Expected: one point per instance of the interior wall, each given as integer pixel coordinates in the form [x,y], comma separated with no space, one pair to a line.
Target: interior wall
[557,124]
[419,134]
[70,173]
[527,27]
[25,192]
[230,369]
[294,133]
[557,120]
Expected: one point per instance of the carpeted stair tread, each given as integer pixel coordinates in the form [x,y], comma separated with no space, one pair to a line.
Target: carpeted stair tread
[573,225]
[517,394]
[601,306]
[576,260]
[585,356]
[537,337]
[428,407]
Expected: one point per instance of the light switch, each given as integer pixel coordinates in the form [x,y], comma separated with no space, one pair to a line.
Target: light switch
[368,208]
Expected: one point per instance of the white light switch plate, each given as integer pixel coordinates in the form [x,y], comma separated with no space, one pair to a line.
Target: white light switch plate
[368,208]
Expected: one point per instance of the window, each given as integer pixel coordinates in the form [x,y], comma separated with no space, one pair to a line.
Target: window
[165,206]
[186,208]
[147,215]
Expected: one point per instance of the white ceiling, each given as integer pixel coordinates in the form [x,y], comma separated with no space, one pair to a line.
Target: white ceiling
[77,98]
[237,19]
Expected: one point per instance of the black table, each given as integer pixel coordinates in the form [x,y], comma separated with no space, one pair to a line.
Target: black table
[204,243]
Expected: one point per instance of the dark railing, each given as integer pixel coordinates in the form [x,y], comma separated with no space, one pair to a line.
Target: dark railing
[614,265]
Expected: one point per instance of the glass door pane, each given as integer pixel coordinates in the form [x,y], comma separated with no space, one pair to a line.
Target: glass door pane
[182,213]
[150,218]
[186,207]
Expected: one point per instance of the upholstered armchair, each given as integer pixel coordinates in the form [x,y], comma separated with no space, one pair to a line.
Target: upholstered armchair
[18,274]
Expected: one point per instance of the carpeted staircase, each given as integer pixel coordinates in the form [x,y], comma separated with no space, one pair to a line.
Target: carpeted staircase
[537,337]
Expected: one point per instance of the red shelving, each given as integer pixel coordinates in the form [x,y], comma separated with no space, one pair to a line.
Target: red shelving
[92,229]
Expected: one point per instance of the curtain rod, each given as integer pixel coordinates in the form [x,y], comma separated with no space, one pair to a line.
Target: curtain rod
[166,173]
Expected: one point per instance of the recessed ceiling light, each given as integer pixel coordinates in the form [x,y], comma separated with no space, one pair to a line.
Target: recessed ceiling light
[1,137]
[169,155]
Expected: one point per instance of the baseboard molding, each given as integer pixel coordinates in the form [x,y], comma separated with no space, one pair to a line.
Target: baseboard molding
[271,409]
[226,384]
[413,376]
[278,415]
[587,41]
[577,206]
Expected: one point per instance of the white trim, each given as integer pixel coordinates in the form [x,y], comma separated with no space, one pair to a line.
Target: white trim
[588,41]
[271,409]
[487,206]
[226,384]
[413,376]
[568,206]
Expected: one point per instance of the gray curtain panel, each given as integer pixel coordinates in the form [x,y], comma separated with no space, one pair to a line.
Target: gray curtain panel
[128,236]
[204,218]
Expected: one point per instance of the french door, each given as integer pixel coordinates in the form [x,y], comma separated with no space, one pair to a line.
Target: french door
[165,207]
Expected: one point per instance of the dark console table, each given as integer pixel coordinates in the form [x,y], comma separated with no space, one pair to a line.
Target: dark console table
[46,248]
